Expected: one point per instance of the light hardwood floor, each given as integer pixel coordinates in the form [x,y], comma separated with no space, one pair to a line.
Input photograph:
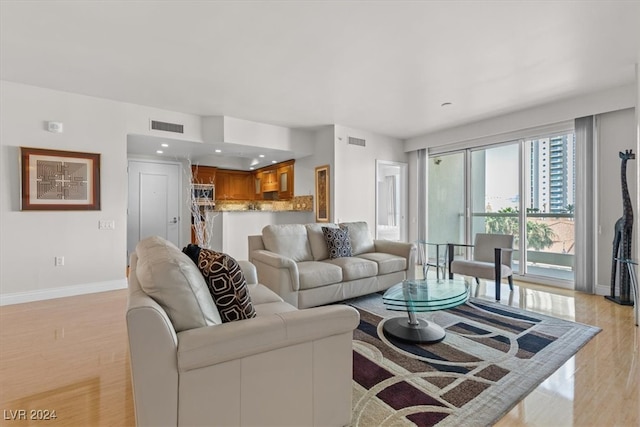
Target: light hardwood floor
[70,355]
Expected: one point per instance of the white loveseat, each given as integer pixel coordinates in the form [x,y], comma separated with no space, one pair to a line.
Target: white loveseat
[283,367]
[293,261]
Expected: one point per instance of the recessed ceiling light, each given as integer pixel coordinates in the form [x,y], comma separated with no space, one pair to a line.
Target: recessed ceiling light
[251,168]
[218,151]
[273,161]
[446,104]
[261,155]
[164,145]
[159,151]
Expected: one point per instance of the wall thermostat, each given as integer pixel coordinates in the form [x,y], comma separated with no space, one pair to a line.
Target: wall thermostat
[54,127]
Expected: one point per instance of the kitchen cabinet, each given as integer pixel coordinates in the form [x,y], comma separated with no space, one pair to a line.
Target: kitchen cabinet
[257,184]
[274,180]
[269,180]
[203,174]
[234,185]
[285,180]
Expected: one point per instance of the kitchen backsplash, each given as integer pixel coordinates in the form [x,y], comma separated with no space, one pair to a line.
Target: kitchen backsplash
[297,203]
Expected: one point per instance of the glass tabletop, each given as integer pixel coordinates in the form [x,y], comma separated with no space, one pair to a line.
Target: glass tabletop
[426,295]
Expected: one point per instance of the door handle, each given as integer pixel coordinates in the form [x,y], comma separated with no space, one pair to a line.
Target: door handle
[174,220]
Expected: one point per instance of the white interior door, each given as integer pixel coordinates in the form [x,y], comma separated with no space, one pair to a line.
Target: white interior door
[154,202]
[391,200]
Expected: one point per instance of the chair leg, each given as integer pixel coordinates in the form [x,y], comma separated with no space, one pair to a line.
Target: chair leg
[498,271]
[450,259]
[510,278]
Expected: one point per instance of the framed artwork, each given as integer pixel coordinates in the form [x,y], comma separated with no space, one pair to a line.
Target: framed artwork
[60,180]
[322,193]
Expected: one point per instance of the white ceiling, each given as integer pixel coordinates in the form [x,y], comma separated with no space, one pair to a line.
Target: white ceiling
[380,66]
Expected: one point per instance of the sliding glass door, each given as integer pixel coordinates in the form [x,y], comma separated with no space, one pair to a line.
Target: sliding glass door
[445,204]
[549,166]
[525,188]
[495,191]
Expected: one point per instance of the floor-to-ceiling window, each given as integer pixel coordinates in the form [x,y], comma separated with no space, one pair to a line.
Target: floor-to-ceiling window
[524,187]
[549,166]
[495,190]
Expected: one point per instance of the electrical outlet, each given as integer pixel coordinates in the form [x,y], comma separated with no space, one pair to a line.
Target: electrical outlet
[59,261]
[106,224]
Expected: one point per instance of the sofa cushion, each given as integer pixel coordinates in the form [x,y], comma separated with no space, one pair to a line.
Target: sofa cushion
[316,240]
[361,241]
[338,243]
[387,263]
[354,268]
[314,274]
[289,240]
[226,283]
[170,278]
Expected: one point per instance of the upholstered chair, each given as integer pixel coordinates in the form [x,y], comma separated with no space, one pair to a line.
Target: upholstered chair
[491,259]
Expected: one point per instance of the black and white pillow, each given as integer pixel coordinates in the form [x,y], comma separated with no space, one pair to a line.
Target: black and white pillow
[338,242]
[225,281]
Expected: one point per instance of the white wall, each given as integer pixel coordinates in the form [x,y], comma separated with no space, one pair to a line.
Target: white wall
[94,259]
[354,173]
[305,167]
[637,109]
[31,240]
[616,131]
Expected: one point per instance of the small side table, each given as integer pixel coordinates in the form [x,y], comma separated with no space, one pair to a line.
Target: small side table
[440,261]
[631,266]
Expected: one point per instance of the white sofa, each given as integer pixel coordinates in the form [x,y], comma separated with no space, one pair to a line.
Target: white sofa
[283,367]
[293,261]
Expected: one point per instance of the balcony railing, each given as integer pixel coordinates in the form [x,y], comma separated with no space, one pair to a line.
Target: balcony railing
[555,261]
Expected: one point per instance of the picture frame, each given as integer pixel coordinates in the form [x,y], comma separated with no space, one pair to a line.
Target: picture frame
[323,206]
[59,180]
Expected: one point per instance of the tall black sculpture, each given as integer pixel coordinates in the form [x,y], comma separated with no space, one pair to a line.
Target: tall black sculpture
[622,238]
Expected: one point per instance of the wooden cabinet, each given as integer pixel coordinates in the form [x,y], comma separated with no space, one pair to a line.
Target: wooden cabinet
[276,180]
[203,174]
[285,181]
[269,180]
[241,186]
[234,185]
[257,184]
[222,186]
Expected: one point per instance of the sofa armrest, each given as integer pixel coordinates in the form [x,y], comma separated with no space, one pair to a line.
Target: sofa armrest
[210,345]
[403,249]
[249,271]
[278,273]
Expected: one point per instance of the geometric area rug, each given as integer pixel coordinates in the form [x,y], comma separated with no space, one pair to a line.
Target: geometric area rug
[491,357]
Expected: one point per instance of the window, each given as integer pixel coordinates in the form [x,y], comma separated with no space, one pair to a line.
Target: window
[503,187]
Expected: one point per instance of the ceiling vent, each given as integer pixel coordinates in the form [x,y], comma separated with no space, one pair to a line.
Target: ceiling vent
[167,127]
[357,141]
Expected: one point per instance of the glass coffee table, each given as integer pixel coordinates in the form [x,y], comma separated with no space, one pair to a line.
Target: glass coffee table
[415,296]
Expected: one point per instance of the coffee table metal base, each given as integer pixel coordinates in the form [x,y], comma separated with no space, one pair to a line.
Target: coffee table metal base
[413,329]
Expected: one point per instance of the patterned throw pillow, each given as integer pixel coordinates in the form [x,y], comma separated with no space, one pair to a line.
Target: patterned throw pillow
[226,283]
[338,243]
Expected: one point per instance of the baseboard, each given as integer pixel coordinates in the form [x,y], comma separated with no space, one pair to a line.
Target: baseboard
[603,290]
[66,291]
